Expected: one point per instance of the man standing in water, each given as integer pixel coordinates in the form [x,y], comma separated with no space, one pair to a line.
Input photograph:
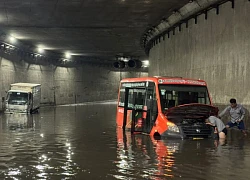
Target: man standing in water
[237,114]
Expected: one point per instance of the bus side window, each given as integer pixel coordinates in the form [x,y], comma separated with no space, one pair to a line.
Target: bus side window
[122,97]
[131,98]
[139,99]
[151,91]
[164,101]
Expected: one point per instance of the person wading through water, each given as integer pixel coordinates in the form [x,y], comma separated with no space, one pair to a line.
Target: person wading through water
[237,114]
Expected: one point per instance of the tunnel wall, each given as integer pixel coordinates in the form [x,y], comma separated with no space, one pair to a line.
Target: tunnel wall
[61,85]
[216,50]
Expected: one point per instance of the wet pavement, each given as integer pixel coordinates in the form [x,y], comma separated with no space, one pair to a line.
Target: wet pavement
[82,142]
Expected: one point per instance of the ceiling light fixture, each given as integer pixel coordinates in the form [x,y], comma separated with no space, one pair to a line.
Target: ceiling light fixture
[12,39]
[40,50]
[67,55]
[145,63]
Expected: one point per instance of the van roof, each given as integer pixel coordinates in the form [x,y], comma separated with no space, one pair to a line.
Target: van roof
[25,84]
[21,91]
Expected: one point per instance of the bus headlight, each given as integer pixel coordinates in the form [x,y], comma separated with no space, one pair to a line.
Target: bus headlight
[172,127]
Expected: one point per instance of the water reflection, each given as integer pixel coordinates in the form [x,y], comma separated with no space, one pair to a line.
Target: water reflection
[151,157]
[29,151]
[141,156]
[19,122]
[82,142]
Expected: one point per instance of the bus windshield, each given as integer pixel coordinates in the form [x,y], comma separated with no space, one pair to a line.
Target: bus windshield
[175,95]
[18,98]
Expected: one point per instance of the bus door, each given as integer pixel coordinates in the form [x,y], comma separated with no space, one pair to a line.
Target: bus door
[150,111]
[133,108]
[140,109]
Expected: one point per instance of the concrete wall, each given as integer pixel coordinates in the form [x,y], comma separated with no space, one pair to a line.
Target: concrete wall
[62,85]
[216,50]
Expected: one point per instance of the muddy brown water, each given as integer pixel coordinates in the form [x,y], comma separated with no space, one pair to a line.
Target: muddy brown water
[82,142]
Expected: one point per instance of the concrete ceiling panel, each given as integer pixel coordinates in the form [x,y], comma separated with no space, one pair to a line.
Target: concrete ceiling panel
[97,28]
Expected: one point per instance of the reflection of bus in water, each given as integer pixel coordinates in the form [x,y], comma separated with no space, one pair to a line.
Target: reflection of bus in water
[165,106]
[162,159]
[154,155]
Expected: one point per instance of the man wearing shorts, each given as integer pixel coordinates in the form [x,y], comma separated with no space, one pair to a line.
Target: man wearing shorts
[219,126]
[237,114]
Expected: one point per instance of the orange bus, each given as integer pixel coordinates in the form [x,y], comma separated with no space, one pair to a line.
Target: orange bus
[165,107]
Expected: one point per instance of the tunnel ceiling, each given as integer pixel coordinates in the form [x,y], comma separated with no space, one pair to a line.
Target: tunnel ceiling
[90,29]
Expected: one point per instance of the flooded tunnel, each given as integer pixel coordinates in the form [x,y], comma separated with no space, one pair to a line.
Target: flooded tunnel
[83,142]
[79,51]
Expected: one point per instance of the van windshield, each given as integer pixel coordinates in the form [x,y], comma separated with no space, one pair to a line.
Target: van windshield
[18,98]
[175,95]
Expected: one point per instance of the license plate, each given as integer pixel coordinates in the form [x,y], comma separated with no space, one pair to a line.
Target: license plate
[197,138]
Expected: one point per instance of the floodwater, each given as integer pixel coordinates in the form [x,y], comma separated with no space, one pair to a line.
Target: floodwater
[82,142]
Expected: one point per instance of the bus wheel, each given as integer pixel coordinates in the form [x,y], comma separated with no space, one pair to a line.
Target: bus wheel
[157,136]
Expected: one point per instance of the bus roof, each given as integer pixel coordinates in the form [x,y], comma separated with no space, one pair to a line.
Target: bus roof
[167,80]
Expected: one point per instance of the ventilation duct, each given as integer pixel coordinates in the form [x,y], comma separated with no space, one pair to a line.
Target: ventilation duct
[119,64]
[134,63]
